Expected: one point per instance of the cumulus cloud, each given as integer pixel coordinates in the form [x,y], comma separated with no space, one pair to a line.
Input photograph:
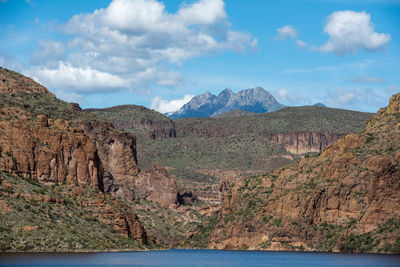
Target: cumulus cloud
[286,31]
[355,98]
[48,52]
[82,80]
[135,44]
[291,98]
[164,106]
[289,31]
[351,31]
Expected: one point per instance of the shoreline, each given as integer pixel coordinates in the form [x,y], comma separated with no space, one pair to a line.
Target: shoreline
[194,249]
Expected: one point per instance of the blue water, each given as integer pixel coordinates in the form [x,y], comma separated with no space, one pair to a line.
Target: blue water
[188,257]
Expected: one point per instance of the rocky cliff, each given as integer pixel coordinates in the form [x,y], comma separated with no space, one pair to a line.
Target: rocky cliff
[54,142]
[305,142]
[46,150]
[158,186]
[117,152]
[346,199]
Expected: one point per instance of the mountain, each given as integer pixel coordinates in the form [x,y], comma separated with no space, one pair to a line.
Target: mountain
[319,105]
[138,120]
[234,113]
[345,199]
[53,156]
[208,154]
[256,100]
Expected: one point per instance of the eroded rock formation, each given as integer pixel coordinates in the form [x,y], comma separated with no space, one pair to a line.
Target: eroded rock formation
[305,142]
[158,186]
[46,150]
[117,152]
[83,151]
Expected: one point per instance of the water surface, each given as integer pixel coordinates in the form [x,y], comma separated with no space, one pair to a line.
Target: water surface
[188,257]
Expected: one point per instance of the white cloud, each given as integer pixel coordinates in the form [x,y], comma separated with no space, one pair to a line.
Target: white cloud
[48,52]
[366,79]
[351,31]
[136,43]
[357,98]
[286,31]
[289,31]
[70,96]
[301,43]
[84,80]
[292,98]
[164,106]
[202,12]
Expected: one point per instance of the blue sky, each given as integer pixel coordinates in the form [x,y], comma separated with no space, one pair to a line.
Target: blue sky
[345,54]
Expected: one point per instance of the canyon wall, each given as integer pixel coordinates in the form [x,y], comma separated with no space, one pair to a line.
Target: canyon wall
[46,150]
[305,142]
[52,149]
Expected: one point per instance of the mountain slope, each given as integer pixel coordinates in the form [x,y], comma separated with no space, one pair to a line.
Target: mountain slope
[47,140]
[64,217]
[206,105]
[346,199]
[138,120]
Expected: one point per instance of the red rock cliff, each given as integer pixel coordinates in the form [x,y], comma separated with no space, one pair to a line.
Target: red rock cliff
[46,150]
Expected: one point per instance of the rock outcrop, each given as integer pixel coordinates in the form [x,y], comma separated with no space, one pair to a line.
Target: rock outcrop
[305,142]
[346,199]
[46,150]
[39,142]
[117,152]
[158,186]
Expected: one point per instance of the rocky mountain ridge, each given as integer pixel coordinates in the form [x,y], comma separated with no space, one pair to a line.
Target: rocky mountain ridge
[346,199]
[45,139]
[207,105]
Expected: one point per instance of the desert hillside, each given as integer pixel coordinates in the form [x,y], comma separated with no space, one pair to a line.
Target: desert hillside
[345,199]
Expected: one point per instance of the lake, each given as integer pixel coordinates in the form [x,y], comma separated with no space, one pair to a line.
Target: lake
[189,257]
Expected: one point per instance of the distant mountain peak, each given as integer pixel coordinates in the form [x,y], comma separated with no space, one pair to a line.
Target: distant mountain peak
[208,94]
[226,91]
[256,100]
[319,104]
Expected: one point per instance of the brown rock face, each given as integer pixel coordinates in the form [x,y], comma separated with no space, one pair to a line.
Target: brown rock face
[340,200]
[158,186]
[33,147]
[83,151]
[117,152]
[135,229]
[304,142]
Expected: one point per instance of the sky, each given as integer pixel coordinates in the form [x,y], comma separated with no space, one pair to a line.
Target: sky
[159,54]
